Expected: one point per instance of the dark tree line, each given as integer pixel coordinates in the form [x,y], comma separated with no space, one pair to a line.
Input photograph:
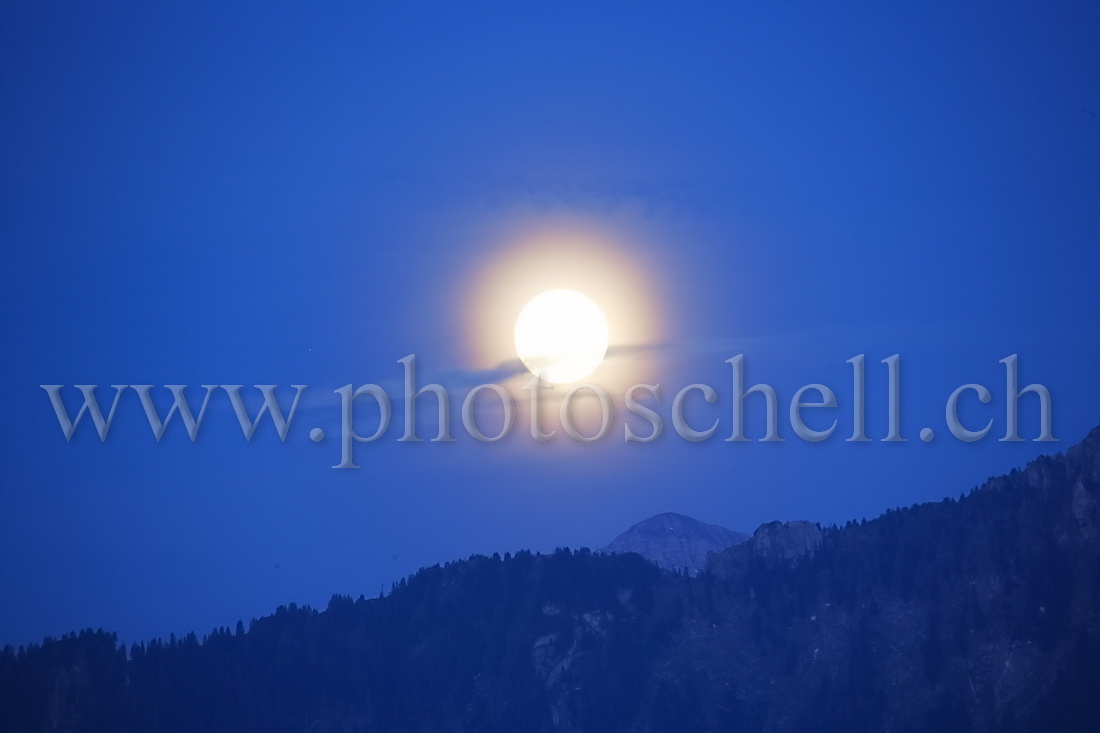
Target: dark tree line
[976,614]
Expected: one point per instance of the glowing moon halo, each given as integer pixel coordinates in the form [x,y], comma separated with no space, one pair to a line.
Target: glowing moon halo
[562,335]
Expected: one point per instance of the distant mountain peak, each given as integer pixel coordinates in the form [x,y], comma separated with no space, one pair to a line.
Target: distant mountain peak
[675,541]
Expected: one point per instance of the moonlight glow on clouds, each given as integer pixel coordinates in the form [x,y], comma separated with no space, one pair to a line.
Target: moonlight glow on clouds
[625,306]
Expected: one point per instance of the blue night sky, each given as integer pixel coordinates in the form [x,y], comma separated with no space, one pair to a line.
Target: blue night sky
[304,195]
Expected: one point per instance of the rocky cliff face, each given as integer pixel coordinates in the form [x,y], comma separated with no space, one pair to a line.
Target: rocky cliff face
[971,615]
[786,540]
[675,542]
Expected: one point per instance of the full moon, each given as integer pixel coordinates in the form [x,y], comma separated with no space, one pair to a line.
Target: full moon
[561,335]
